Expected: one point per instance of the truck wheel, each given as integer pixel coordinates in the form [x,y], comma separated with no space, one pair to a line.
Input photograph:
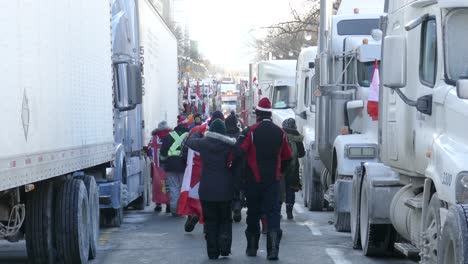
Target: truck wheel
[453,245]
[431,232]
[342,222]
[355,211]
[93,202]
[39,223]
[72,217]
[305,188]
[315,196]
[375,238]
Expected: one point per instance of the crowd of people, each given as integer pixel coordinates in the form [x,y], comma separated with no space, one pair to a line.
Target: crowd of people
[208,170]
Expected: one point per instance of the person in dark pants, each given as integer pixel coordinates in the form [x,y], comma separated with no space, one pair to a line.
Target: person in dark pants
[216,186]
[267,147]
[290,182]
[233,131]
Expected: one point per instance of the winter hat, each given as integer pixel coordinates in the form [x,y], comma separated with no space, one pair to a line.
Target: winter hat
[196,115]
[182,121]
[217,126]
[163,125]
[290,123]
[231,123]
[264,105]
[216,115]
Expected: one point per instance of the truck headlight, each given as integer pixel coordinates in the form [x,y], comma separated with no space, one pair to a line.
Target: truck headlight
[461,188]
[361,151]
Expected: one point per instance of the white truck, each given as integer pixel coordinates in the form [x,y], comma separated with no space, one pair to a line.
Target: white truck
[276,80]
[72,140]
[345,134]
[416,200]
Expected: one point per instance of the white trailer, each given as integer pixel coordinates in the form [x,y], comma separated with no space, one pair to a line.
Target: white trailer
[158,50]
[57,122]
[419,191]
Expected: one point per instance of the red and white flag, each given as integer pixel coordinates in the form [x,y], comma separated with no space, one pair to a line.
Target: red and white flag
[189,200]
[373,97]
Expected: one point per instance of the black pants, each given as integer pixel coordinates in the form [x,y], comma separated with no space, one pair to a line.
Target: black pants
[290,193]
[218,225]
[263,199]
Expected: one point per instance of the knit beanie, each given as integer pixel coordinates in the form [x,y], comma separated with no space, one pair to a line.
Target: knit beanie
[217,126]
[216,115]
[263,108]
[163,125]
[289,123]
[182,121]
[231,123]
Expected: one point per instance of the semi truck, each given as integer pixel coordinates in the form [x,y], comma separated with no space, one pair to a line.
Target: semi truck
[74,114]
[415,199]
[276,81]
[345,134]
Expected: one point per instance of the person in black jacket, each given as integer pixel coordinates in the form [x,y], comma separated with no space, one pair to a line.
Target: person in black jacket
[233,131]
[216,187]
[267,148]
[172,160]
[290,175]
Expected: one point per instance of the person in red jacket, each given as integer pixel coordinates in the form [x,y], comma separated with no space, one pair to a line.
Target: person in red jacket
[266,146]
[158,174]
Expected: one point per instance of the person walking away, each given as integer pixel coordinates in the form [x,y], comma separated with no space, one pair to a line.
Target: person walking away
[189,203]
[267,147]
[290,175]
[173,160]
[158,175]
[233,131]
[216,187]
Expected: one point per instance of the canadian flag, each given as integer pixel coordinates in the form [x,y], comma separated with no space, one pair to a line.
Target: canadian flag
[189,200]
[373,97]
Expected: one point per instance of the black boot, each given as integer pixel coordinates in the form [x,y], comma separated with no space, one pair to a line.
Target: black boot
[211,237]
[289,211]
[192,220]
[252,243]
[237,215]
[225,239]
[273,241]
[158,208]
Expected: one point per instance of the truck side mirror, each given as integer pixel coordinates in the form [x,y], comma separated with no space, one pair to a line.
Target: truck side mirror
[128,86]
[462,88]
[311,65]
[135,87]
[394,62]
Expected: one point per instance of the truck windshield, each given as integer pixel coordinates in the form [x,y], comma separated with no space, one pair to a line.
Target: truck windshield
[365,70]
[230,102]
[357,26]
[456,31]
[280,97]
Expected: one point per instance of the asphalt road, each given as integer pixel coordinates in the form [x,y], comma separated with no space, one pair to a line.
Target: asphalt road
[148,237]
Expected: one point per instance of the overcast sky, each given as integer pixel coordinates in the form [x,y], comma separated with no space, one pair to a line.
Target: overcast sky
[223,28]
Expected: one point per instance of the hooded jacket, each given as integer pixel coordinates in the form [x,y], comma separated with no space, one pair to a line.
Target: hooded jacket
[216,181]
[291,172]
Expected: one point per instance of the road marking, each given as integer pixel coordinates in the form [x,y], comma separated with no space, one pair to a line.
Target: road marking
[315,231]
[337,256]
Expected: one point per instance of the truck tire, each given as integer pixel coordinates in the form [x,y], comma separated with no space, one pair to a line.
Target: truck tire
[375,238]
[39,224]
[71,218]
[93,202]
[431,232]
[453,245]
[342,222]
[315,196]
[305,182]
[355,209]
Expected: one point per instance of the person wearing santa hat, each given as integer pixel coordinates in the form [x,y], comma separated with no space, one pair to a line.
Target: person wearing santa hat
[267,149]
[174,163]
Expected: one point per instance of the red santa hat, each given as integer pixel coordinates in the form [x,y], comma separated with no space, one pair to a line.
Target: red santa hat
[182,121]
[264,105]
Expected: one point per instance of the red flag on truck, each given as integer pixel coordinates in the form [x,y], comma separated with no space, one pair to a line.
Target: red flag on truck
[373,97]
